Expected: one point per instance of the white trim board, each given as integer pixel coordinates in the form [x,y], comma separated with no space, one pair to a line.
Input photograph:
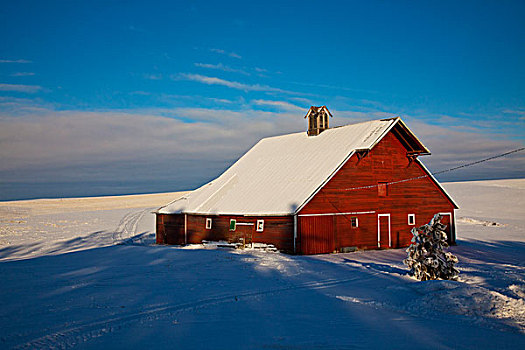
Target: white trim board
[379,230]
[452,224]
[185,228]
[348,213]
[294,233]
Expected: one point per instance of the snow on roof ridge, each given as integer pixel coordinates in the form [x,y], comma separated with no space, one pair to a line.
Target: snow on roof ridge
[332,128]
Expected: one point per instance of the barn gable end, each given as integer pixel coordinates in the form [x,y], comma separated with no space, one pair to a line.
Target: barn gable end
[389,161]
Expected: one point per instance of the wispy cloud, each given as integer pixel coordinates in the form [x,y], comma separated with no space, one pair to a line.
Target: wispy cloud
[279,104]
[30,89]
[231,84]
[514,111]
[265,73]
[22,74]
[220,100]
[141,93]
[17,105]
[192,100]
[15,61]
[221,67]
[302,100]
[153,76]
[223,52]
[333,87]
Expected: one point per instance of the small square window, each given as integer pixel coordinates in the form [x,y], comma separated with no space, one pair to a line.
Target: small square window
[260,225]
[411,219]
[354,222]
[382,189]
[233,224]
[208,223]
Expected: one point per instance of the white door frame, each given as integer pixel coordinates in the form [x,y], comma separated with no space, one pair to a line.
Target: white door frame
[452,224]
[379,230]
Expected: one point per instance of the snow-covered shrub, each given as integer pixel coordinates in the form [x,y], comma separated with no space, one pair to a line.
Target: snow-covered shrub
[426,258]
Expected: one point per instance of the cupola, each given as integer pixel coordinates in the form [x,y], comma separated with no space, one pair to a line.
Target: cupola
[317,120]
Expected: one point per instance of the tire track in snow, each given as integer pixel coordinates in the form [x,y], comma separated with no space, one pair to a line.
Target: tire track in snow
[127,226]
[72,336]
[117,234]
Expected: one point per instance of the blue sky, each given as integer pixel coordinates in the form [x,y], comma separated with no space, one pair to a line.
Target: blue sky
[106,97]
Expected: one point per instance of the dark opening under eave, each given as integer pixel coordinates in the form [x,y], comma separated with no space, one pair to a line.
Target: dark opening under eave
[409,140]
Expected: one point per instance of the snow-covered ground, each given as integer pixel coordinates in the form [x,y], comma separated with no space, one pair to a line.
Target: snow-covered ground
[85,273]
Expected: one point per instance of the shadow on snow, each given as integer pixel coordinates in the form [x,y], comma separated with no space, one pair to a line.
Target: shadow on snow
[135,296]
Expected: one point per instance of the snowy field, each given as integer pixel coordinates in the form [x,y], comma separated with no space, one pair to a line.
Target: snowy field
[84,273]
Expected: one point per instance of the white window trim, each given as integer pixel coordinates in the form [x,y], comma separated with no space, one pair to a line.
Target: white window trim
[208,223]
[356,222]
[260,225]
[414,219]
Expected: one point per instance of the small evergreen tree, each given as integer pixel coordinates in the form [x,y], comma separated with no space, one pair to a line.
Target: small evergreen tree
[426,258]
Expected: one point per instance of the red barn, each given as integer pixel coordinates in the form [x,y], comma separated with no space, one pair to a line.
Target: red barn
[359,186]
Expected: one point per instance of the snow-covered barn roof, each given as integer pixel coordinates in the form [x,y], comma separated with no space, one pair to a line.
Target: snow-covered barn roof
[280,174]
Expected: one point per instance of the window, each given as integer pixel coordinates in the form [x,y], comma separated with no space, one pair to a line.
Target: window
[260,225]
[233,224]
[208,223]
[411,219]
[382,190]
[354,222]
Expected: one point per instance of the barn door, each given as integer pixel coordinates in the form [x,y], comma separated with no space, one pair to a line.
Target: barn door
[384,239]
[317,234]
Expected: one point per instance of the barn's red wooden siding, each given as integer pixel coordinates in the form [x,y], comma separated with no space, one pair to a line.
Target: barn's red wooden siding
[170,229]
[278,230]
[386,162]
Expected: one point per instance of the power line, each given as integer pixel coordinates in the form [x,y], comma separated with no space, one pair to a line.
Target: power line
[418,177]
[480,161]
[437,173]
